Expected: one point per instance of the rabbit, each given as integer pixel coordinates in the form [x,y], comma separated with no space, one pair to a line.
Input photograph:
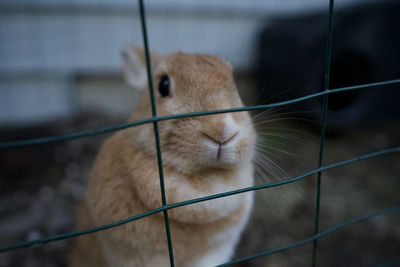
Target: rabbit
[201,156]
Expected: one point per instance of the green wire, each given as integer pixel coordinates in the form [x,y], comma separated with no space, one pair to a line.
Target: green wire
[328,56]
[319,235]
[325,93]
[38,141]
[193,201]
[155,126]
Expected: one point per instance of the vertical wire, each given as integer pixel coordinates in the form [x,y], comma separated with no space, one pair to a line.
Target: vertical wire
[328,56]
[155,125]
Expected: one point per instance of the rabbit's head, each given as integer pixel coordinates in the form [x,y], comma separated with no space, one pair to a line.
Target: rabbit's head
[185,83]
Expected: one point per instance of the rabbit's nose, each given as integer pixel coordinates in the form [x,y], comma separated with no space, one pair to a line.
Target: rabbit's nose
[228,139]
[221,129]
[221,140]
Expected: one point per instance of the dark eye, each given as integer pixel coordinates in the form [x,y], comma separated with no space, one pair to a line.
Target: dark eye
[164,86]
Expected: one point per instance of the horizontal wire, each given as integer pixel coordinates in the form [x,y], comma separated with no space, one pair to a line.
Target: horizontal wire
[197,200]
[37,141]
[79,233]
[316,236]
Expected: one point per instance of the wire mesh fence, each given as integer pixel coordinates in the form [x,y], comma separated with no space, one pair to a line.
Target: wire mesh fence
[165,206]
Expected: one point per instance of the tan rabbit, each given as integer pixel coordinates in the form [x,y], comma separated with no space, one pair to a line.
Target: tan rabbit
[201,156]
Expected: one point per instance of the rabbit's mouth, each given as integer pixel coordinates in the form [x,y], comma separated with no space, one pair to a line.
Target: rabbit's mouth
[221,148]
[225,153]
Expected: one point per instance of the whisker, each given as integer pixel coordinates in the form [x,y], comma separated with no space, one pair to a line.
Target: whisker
[296,140]
[263,169]
[289,119]
[272,164]
[287,130]
[277,113]
[263,146]
[258,96]
[280,93]
[264,112]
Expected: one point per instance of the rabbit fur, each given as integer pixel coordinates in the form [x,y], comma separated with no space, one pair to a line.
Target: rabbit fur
[201,156]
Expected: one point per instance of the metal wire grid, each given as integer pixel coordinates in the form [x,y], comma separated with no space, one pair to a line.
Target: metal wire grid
[165,206]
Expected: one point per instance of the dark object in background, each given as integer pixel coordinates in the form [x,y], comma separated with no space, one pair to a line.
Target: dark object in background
[366,48]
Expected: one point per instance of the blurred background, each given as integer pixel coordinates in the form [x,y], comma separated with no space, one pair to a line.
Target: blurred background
[60,73]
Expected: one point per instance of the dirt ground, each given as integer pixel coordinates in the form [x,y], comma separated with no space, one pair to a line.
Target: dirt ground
[40,186]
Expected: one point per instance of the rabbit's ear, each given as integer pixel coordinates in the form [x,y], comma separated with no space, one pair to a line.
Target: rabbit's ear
[134,66]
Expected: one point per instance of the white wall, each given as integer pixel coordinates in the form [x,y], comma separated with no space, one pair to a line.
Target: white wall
[64,37]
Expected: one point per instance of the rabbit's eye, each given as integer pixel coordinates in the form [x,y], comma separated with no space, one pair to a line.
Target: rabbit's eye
[164,86]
